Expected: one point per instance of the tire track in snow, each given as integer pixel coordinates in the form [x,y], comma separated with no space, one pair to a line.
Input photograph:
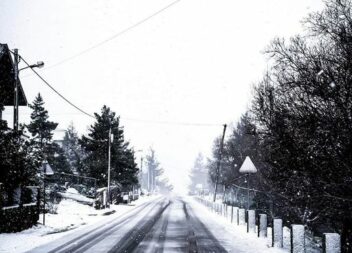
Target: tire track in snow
[94,234]
[132,239]
[199,237]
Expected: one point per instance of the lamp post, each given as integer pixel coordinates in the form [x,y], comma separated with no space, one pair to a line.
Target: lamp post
[248,168]
[16,57]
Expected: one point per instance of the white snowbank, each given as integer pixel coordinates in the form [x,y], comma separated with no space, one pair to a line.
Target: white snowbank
[233,237]
[72,193]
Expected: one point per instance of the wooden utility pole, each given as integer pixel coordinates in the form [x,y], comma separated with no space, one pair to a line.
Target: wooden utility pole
[109,165]
[218,166]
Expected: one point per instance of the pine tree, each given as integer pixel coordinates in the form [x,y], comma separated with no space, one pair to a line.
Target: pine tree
[198,175]
[124,170]
[58,159]
[72,149]
[17,167]
[41,130]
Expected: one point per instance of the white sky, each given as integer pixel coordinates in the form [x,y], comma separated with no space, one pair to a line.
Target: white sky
[194,63]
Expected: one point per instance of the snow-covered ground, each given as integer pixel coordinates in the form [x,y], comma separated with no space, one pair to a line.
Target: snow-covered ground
[234,238]
[239,233]
[71,216]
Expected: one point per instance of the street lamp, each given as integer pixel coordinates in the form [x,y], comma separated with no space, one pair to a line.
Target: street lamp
[248,168]
[39,64]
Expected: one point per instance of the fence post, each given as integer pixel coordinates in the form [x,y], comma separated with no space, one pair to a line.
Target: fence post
[277,233]
[251,221]
[297,239]
[235,215]
[331,243]
[231,214]
[263,225]
[241,216]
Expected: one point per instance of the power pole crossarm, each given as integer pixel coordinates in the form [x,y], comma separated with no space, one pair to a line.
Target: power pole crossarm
[219,162]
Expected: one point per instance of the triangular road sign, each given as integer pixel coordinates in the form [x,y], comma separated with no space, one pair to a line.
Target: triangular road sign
[248,166]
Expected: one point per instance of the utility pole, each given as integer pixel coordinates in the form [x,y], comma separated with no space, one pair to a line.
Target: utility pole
[219,162]
[109,165]
[15,104]
[141,173]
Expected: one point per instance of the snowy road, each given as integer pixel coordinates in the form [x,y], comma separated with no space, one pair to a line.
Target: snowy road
[162,225]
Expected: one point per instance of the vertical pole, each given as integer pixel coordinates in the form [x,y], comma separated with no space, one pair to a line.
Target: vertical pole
[148,175]
[109,165]
[297,239]
[277,233]
[141,173]
[15,109]
[219,162]
[44,170]
[263,225]
[248,191]
[331,243]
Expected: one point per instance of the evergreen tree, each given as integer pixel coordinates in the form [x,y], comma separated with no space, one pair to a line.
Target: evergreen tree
[58,159]
[124,170]
[17,167]
[41,130]
[198,175]
[72,149]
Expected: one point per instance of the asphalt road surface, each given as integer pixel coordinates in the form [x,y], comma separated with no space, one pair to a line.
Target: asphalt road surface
[162,225]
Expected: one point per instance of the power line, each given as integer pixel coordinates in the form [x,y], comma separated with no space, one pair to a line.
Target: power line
[145,121]
[170,122]
[122,32]
[124,118]
[58,93]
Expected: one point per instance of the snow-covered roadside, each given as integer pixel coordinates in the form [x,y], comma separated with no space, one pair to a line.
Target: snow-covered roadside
[72,216]
[311,246]
[233,238]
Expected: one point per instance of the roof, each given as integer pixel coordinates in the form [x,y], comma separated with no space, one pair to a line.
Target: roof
[7,79]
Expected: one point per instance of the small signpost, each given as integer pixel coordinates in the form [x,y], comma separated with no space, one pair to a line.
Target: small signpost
[248,168]
[47,171]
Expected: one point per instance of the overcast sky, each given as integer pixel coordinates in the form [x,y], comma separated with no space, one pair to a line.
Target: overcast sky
[195,62]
